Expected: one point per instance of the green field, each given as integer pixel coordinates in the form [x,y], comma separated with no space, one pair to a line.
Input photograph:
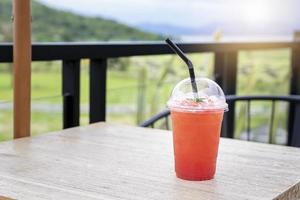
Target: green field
[140,87]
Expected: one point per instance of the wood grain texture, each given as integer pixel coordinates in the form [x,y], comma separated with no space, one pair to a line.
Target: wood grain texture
[22,67]
[110,161]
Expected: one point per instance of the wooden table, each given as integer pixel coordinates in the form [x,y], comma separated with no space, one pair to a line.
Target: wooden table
[110,161]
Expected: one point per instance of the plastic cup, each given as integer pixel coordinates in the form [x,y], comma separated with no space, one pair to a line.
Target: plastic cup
[196,128]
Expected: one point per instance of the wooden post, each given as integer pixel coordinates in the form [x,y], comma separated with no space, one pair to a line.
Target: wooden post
[22,67]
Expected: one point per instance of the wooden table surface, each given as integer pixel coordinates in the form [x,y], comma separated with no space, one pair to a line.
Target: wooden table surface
[111,161]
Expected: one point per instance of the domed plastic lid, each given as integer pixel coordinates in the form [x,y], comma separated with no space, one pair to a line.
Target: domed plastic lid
[211,96]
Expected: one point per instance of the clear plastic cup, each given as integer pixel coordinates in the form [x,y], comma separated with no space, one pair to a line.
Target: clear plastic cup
[196,128]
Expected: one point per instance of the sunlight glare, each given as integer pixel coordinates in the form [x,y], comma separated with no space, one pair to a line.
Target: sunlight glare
[256,11]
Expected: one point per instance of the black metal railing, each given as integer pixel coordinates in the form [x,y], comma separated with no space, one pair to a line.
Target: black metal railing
[163,115]
[225,70]
[292,140]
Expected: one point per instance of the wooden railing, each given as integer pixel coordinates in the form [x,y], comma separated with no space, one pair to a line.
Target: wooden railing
[225,71]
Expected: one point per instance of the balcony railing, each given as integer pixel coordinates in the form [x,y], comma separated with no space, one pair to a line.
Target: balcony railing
[225,72]
[164,115]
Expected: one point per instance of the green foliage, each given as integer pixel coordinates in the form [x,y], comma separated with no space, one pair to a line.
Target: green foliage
[50,25]
[120,64]
[259,72]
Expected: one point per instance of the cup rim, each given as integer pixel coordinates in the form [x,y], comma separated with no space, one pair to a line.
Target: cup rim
[223,107]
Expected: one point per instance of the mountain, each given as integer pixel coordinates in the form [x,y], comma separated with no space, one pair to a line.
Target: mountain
[165,29]
[168,29]
[228,28]
[51,25]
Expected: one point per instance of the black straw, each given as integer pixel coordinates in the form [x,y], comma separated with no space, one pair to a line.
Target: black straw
[188,62]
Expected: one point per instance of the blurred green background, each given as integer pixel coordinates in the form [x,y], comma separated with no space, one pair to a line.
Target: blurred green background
[137,87]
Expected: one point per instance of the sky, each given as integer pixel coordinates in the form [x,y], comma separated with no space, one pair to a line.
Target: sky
[189,13]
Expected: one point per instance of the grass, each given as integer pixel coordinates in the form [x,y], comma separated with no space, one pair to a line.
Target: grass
[259,72]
